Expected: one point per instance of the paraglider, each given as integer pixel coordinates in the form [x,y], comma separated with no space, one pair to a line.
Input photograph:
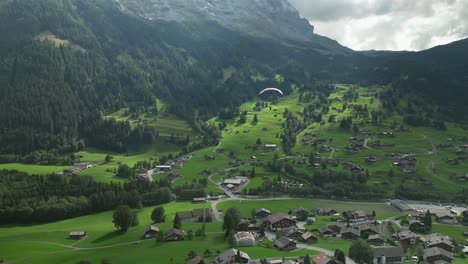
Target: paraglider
[271,89]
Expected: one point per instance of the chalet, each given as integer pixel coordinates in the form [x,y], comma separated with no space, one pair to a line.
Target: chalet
[446,219]
[375,240]
[388,255]
[151,231]
[325,211]
[262,213]
[323,259]
[300,212]
[77,235]
[406,237]
[199,200]
[326,232]
[285,244]
[367,228]
[406,164]
[355,216]
[435,255]
[417,226]
[417,215]
[229,257]
[163,168]
[465,234]
[174,235]
[309,237]
[336,227]
[198,260]
[83,165]
[439,241]
[244,239]
[271,147]
[278,221]
[243,225]
[293,232]
[350,233]
[371,159]
[196,215]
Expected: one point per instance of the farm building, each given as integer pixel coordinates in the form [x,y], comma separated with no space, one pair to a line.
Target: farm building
[77,235]
[163,168]
[400,205]
[388,255]
[151,231]
[324,259]
[375,240]
[440,241]
[309,237]
[174,235]
[271,147]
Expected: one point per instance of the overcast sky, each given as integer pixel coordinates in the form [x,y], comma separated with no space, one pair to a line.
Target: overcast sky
[387,24]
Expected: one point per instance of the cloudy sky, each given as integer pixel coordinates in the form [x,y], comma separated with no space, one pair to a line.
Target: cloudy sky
[387,24]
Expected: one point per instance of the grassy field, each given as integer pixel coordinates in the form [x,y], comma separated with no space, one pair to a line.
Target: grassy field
[47,243]
[32,169]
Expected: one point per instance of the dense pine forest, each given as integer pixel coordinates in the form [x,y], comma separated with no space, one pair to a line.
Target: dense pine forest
[64,63]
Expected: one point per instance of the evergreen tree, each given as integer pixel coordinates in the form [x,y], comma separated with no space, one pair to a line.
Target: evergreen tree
[340,256]
[307,259]
[177,222]
[361,252]
[124,217]
[158,215]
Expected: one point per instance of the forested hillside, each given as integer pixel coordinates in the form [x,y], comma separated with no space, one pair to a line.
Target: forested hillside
[65,63]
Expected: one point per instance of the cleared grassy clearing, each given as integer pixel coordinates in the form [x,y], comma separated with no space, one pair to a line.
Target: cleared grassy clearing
[32,168]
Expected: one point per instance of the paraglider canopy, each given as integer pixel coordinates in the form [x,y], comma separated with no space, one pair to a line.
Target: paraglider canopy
[271,89]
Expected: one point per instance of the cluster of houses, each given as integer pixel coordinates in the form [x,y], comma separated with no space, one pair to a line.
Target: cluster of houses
[172,164]
[406,163]
[357,144]
[77,167]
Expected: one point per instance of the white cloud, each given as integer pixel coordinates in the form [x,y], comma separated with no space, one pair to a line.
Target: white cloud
[388,24]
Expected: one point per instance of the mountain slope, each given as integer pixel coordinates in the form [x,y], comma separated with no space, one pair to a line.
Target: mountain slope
[276,19]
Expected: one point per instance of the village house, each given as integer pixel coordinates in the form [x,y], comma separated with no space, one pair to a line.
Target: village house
[309,237]
[356,216]
[299,212]
[293,232]
[417,226]
[271,147]
[375,240]
[278,221]
[336,227]
[388,255]
[465,234]
[174,235]
[368,228]
[325,211]
[439,241]
[262,213]
[271,261]
[323,259]
[77,167]
[326,232]
[229,257]
[285,244]
[406,237]
[77,235]
[437,255]
[446,219]
[406,164]
[350,233]
[196,215]
[244,239]
[151,232]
